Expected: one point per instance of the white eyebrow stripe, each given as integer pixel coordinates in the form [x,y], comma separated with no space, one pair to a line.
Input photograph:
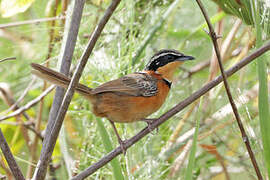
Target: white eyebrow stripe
[164,54]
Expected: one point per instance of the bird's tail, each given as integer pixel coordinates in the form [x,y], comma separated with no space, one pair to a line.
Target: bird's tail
[58,79]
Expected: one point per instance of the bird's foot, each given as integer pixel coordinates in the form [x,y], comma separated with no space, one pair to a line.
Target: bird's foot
[150,124]
[120,141]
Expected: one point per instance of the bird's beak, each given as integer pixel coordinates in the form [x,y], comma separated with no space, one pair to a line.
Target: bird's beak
[184,58]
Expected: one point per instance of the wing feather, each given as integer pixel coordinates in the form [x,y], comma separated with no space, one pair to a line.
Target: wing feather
[136,84]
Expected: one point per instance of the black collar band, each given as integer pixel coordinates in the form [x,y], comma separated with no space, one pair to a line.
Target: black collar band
[169,84]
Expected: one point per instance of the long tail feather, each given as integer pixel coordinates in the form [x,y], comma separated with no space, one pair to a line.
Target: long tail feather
[58,78]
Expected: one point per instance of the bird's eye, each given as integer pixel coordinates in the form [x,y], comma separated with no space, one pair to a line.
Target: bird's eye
[170,58]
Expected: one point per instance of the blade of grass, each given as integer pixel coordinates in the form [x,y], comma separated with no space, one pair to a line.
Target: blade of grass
[264,115]
[108,146]
[214,19]
[68,160]
[191,159]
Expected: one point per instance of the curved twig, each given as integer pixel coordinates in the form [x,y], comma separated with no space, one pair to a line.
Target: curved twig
[7,59]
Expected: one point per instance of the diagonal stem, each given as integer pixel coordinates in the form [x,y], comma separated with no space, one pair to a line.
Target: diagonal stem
[214,38]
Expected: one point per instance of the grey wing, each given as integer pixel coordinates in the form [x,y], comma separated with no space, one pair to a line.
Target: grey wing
[144,83]
[136,84]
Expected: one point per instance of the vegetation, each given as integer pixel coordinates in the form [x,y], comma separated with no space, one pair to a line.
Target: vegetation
[136,30]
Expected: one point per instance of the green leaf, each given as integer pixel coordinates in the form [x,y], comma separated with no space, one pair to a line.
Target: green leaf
[12,7]
[191,159]
[263,105]
[243,10]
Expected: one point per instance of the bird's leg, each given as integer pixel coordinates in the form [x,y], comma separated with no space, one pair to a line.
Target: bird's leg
[149,123]
[121,142]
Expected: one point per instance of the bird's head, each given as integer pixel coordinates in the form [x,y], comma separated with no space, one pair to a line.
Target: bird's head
[165,62]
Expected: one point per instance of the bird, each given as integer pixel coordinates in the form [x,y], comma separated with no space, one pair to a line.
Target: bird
[130,98]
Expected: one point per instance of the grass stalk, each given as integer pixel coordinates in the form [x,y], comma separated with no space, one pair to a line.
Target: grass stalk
[263,103]
[191,159]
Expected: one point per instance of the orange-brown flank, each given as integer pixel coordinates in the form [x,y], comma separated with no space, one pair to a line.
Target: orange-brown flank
[124,108]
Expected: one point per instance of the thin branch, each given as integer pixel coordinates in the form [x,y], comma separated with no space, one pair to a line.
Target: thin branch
[128,143]
[7,59]
[10,159]
[15,105]
[28,105]
[237,116]
[102,9]
[213,68]
[36,21]
[32,21]
[7,97]
[198,67]
[53,134]
[31,128]
[28,125]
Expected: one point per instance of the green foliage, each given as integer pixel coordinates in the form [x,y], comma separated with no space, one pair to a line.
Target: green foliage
[10,8]
[191,159]
[243,8]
